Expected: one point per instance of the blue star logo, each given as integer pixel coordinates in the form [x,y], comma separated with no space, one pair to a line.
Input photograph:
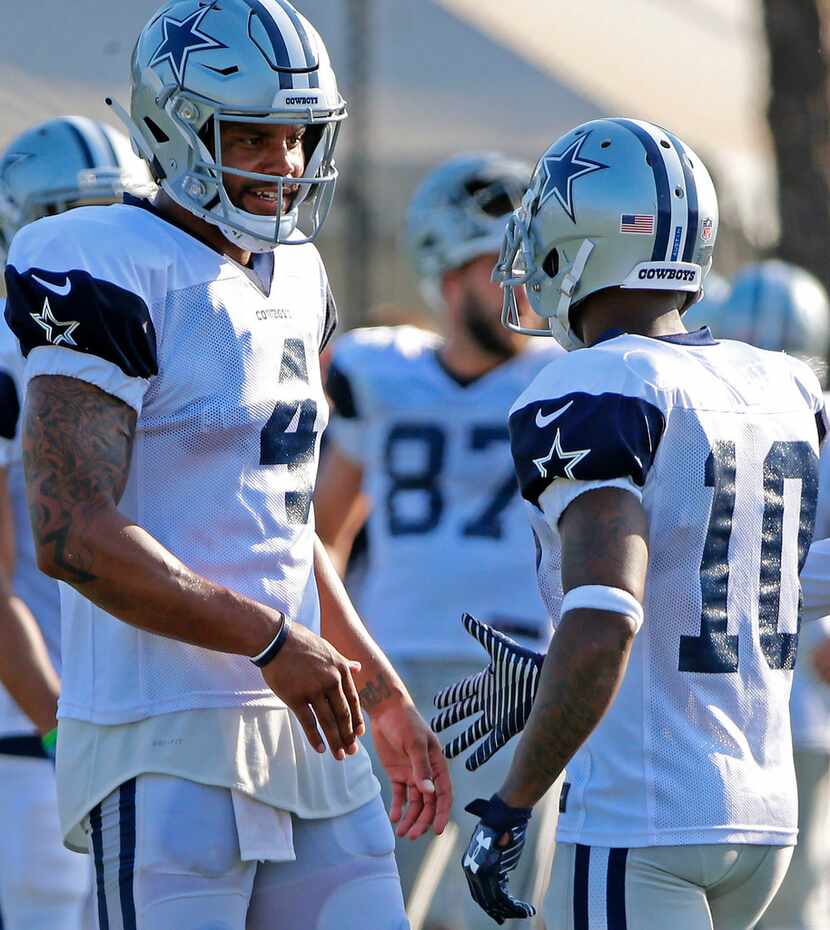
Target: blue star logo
[181,37]
[57,332]
[562,170]
[568,459]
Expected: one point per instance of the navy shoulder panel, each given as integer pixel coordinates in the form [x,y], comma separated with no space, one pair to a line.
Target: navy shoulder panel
[822,429]
[339,390]
[585,437]
[82,313]
[331,319]
[9,406]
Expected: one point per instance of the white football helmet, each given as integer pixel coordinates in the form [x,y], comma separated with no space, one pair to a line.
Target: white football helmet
[459,212]
[61,163]
[779,306]
[613,203]
[199,63]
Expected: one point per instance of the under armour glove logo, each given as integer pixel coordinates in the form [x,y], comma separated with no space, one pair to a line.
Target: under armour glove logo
[493,852]
[502,693]
[483,841]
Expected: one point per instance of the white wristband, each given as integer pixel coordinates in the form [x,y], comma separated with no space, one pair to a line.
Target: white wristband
[601,597]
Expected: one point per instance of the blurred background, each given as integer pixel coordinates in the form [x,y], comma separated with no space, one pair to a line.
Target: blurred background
[743,81]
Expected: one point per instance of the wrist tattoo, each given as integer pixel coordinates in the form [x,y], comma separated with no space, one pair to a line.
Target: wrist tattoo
[374,692]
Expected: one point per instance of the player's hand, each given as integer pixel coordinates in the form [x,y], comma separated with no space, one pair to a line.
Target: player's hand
[493,852]
[412,759]
[315,681]
[820,660]
[502,694]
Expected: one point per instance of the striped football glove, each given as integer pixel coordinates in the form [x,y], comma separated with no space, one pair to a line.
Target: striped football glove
[487,863]
[502,694]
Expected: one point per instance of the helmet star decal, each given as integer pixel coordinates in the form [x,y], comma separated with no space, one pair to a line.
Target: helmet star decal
[57,332]
[562,170]
[181,37]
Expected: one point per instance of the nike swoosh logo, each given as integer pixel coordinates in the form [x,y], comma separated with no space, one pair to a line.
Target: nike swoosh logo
[543,421]
[60,289]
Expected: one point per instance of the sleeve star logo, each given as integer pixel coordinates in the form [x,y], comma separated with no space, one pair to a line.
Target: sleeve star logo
[181,37]
[560,172]
[572,458]
[57,333]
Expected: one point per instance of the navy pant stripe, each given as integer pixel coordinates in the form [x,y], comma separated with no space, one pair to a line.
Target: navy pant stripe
[615,890]
[581,863]
[98,854]
[126,864]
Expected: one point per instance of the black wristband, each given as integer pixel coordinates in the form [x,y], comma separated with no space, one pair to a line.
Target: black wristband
[497,815]
[270,652]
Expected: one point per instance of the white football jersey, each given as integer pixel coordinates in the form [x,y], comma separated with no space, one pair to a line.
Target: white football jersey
[221,365]
[38,591]
[447,532]
[810,698]
[720,442]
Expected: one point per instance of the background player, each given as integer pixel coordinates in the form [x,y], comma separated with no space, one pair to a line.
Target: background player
[679,474]
[52,167]
[173,411]
[420,430]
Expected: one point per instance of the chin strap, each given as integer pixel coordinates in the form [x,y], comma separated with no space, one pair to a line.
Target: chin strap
[571,279]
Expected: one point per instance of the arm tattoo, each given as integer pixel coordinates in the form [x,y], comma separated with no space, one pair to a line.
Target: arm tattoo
[77,442]
[374,692]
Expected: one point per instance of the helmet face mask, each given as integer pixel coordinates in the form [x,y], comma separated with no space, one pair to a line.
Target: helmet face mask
[175,100]
[614,203]
[67,162]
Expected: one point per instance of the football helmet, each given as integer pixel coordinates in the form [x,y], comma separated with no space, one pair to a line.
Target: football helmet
[458,212]
[200,63]
[613,203]
[779,306]
[62,163]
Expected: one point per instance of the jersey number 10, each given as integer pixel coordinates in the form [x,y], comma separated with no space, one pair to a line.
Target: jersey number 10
[716,650]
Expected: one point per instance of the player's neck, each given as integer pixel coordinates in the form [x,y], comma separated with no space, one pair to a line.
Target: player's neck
[206,232]
[654,314]
[465,361]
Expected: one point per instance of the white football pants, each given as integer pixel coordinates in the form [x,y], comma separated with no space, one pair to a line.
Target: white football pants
[42,884]
[167,857]
[711,887]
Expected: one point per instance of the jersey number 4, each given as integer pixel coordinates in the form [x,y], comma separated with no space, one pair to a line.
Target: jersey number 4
[288,438]
[715,649]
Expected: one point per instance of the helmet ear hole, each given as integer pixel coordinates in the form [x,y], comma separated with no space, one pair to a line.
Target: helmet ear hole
[551,263]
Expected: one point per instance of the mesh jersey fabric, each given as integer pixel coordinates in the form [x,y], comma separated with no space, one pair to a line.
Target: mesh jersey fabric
[226,383]
[810,698]
[38,591]
[721,441]
[447,532]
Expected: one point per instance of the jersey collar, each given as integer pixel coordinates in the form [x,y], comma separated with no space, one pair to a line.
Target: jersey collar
[698,337]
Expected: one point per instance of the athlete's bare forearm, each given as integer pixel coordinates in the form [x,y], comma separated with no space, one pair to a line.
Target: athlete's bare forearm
[604,542]
[77,442]
[582,672]
[377,682]
[26,670]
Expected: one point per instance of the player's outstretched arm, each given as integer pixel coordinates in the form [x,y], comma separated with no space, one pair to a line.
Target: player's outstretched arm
[77,441]
[410,753]
[603,534]
[604,542]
